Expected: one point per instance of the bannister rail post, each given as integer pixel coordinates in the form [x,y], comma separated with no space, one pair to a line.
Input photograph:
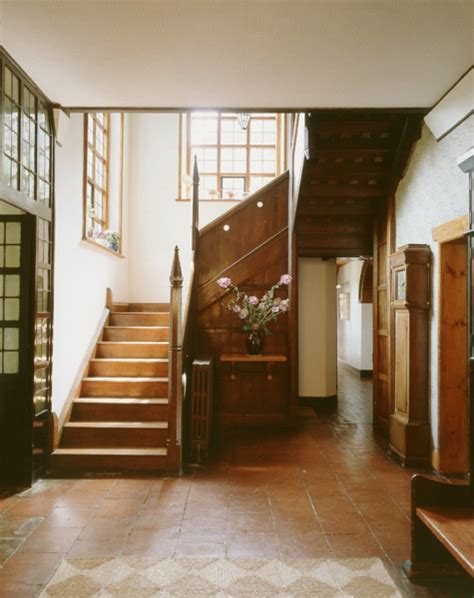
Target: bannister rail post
[175,386]
[195,224]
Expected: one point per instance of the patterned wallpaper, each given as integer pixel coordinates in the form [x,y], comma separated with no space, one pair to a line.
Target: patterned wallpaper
[433,191]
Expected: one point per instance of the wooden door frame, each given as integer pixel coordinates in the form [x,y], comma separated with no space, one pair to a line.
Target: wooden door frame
[386,217]
[446,235]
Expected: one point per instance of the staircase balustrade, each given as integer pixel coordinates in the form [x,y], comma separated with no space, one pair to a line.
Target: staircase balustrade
[175,365]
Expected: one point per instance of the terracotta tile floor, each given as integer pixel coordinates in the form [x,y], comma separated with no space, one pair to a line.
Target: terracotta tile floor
[326,489]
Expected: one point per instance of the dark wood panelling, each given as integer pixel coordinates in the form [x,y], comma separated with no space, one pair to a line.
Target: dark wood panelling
[355,159]
[249,226]
[254,254]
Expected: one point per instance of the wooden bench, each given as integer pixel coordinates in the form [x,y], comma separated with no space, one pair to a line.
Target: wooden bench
[442,528]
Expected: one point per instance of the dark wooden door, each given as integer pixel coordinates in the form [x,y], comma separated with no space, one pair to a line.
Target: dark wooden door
[17,300]
[383,247]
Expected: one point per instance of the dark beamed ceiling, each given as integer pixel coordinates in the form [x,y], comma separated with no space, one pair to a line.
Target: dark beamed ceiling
[356,159]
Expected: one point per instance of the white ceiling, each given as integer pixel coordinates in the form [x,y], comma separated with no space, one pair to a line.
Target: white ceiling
[241,53]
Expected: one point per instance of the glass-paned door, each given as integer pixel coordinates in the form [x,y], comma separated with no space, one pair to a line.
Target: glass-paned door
[17,274]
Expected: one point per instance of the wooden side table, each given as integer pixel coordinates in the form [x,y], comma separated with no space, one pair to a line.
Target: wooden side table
[253,389]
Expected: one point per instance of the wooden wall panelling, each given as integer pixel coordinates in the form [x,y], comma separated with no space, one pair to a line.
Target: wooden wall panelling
[453,357]
[254,254]
[249,226]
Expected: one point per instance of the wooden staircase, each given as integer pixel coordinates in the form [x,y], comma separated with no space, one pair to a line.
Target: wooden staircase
[120,420]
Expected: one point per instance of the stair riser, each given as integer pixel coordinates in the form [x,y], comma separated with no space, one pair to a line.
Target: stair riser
[117,463]
[106,388]
[112,438]
[124,350]
[140,334]
[139,319]
[118,413]
[120,368]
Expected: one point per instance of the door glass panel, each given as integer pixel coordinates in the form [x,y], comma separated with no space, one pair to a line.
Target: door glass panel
[12,338]
[12,285]
[12,256]
[12,309]
[13,236]
[11,362]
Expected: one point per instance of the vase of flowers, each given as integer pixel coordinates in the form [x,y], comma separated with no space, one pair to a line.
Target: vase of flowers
[256,313]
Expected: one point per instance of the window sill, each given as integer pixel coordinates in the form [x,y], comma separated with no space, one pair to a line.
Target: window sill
[219,200]
[93,245]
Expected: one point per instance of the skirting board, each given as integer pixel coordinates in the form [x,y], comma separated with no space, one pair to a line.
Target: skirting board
[328,403]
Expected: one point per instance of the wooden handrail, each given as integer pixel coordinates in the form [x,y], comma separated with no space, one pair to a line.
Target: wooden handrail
[175,365]
[195,204]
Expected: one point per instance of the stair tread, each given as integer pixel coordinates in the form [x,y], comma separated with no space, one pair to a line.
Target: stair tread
[112,451]
[133,343]
[130,359]
[125,379]
[141,313]
[123,400]
[122,424]
[119,327]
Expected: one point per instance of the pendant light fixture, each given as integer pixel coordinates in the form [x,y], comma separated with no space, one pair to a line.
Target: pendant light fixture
[243,119]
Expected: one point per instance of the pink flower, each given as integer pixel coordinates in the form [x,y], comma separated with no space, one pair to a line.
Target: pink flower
[243,314]
[285,279]
[253,300]
[275,309]
[236,309]
[284,305]
[224,282]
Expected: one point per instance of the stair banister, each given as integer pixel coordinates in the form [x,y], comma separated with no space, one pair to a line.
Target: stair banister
[175,386]
[195,204]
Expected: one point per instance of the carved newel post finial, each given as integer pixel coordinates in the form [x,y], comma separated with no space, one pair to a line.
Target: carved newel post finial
[176,276]
[195,172]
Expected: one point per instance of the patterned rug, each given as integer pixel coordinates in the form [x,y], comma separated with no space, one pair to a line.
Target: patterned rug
[220,578]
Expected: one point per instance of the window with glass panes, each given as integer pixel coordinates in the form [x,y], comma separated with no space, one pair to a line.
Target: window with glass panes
[96,175]
[232,162]
[26,159]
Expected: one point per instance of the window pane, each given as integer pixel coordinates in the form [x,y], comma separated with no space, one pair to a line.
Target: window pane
[233,160]
[203,130]
[208,187]
[207,159]
[231,133]
[263,160]
[232,187]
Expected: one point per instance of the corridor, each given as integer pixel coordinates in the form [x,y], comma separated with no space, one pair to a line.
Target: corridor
[325,489]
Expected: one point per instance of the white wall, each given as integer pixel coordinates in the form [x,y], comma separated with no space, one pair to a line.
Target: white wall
[433,191]
[82,272]
[158,221]
[317,337]
[354,336]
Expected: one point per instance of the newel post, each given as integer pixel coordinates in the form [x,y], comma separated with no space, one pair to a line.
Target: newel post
[175,387]
[195,224]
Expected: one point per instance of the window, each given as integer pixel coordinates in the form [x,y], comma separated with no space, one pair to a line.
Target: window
[27,135]
[96,175]
[103,179]
[232,162]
